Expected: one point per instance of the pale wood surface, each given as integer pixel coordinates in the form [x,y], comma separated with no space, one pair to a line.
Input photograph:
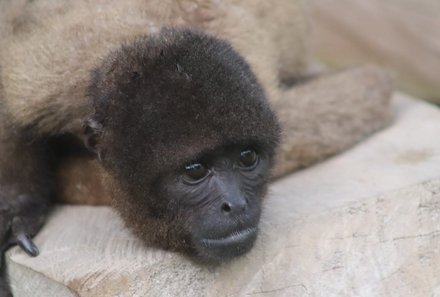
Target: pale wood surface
[403,35]
[365,223]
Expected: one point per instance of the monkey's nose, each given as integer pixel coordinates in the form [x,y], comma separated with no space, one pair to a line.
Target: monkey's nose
[234,207]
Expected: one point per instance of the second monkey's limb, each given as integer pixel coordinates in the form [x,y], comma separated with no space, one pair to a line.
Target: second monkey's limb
[329,114]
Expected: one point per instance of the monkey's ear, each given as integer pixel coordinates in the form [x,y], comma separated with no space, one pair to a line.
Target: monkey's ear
[92,133]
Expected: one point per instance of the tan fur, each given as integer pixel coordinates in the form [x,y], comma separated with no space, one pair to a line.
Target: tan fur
[78,181]
[330,114]
[49,47]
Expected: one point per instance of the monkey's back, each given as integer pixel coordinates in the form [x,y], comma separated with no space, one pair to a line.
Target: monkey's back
[49,47]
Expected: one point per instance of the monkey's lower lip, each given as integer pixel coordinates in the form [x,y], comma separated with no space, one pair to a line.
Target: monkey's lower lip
[236,237]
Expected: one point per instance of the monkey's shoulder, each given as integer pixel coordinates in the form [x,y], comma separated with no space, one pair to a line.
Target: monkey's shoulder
[49,49]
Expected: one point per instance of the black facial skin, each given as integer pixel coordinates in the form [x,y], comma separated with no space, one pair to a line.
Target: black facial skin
[220,194]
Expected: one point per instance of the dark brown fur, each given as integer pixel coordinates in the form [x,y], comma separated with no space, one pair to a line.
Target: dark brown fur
[163,101]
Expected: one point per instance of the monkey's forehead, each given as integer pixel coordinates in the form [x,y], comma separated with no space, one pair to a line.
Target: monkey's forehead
[169,140]
[200,96]
[167,135]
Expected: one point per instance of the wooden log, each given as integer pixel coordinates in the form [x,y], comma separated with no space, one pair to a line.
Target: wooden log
[365,223]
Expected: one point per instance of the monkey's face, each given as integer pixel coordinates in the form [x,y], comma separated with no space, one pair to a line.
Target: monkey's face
[186,137]
[216,201]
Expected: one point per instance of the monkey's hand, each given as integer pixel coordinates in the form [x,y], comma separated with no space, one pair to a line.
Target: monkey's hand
[20,219]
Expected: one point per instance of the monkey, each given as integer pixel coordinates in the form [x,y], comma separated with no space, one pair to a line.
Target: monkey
[172,102]
[137,116]
[82,101]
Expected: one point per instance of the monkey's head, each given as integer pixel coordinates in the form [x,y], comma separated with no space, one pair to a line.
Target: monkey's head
[186,138]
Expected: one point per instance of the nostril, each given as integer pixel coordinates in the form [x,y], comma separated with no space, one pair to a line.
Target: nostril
[226,207]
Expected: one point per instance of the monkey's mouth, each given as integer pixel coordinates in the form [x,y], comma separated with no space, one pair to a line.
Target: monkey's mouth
[234,238]
[220,249]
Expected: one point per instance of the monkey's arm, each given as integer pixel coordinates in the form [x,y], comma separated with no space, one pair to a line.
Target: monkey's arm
[24,189]
[330,114]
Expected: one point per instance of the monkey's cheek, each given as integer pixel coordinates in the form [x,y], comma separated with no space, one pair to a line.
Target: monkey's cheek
[225,248]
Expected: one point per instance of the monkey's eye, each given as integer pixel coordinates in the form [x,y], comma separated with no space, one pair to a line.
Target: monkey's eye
[196,171]
[248,158]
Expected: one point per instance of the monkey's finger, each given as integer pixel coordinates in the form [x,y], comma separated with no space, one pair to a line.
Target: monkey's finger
[27,245]
[20,236]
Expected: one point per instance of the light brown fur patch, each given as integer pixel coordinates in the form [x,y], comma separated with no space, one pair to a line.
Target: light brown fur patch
[49,47]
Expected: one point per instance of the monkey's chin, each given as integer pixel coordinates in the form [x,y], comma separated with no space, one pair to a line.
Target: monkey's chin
[222,249]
